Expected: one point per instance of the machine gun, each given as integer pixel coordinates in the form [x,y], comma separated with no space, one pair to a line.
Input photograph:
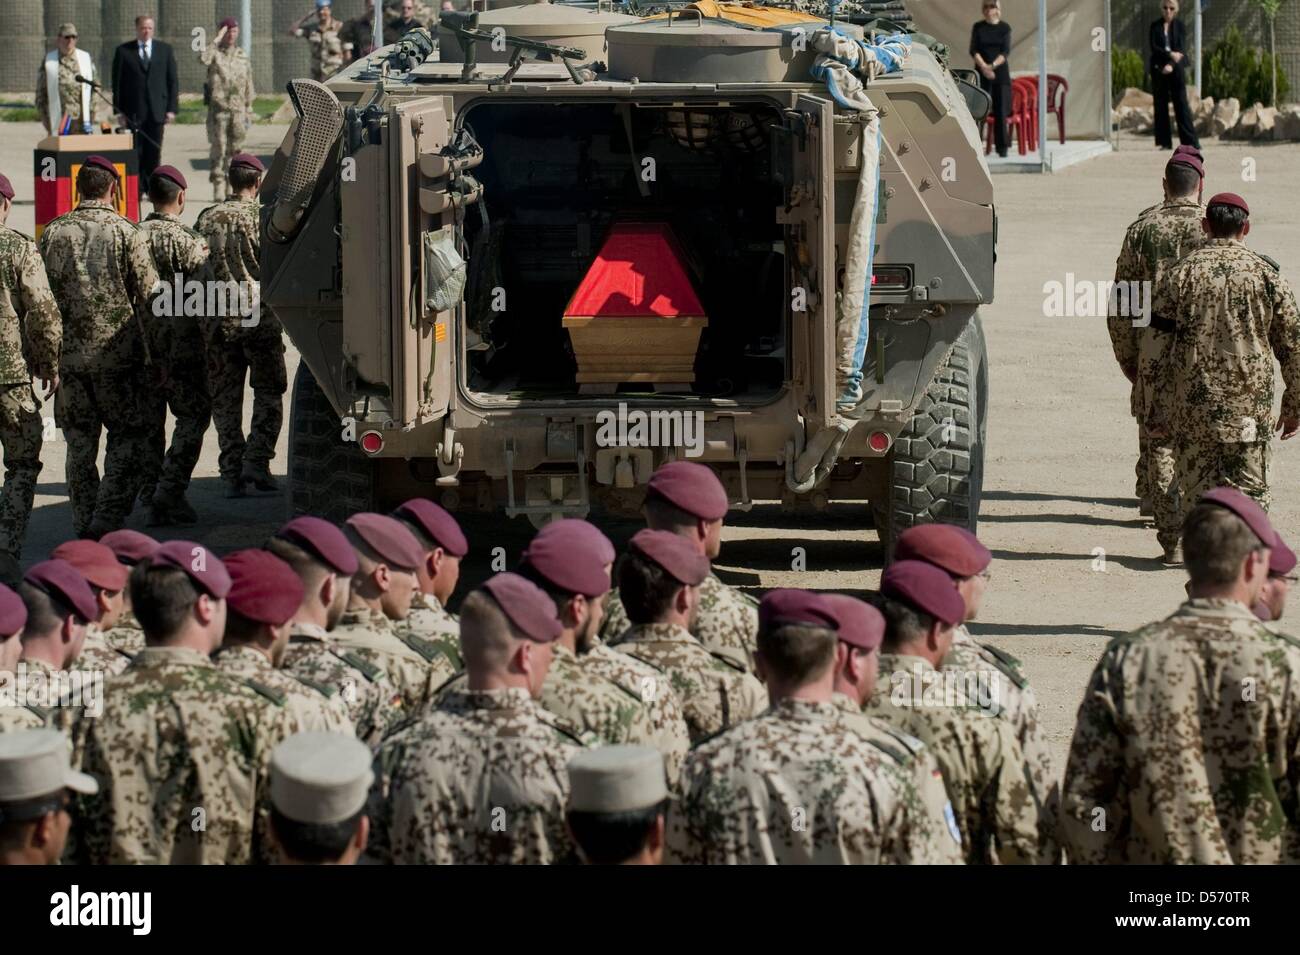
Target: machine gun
[468,35]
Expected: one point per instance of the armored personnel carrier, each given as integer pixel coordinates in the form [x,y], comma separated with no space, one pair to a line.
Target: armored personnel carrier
[524,275]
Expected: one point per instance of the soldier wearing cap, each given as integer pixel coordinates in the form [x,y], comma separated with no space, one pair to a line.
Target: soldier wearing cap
[429,625]
[687,499]
[481,778]
[107,579]
[31,331]
[660,581]
[36,784]
[129,547]
[959,553]
[229,95]
[1281,574]
[325,563]
[1232,313]
[765,791]
[327,54]
[319,785]
[58,94]
[183,747]
[983,767]
[179,255]
[1152,244]
[618,800]
[1191,766]
[246,342]
[103,278]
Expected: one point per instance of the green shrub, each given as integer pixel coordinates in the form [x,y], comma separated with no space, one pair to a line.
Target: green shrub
[1128,69]
[1233,69]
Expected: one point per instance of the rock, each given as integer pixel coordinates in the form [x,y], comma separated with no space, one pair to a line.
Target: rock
[1136,98]
[1255,123]
[1203,115]
[1226,113]
[1287,125]
[1133,117]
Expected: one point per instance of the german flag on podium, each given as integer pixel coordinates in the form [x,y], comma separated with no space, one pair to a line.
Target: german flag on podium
[59,159]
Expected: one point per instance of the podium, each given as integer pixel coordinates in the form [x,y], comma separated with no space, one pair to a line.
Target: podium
[58,159]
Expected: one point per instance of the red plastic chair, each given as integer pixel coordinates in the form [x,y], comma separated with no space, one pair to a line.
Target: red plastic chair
[1028,87]
[1057,88]
[1017,124]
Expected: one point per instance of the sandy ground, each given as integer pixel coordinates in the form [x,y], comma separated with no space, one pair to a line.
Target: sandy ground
[1059,485]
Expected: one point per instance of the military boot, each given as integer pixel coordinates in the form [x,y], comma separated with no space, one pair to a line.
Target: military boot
[259,475]
[171,510]
[234,487]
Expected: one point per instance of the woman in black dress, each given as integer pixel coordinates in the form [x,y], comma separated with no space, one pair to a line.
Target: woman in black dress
[1168,77]
[990,48]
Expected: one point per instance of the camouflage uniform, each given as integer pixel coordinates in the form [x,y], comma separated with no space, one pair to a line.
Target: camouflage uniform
[727,624]
[316,706]
[230,108]
[481,779]
[435,627]
[179,254]
[1232,312]
[415,670]
[1017,705]
[182,753]
[983,767]
[1152,244]
[30,330]
[236,349]
[1198,765]
[374,705]
[98,654]
[798,785]
[326,47]
[715,692]
[69,95]
[103,276]
[20,716]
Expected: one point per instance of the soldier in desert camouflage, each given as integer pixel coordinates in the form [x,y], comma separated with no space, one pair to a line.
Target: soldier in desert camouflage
[1159,238]
[103,277]
[659,579]
[482,777]
[230,94]
[444,546]
[31,331]
[323,35]
[126,637]
[983,768]
[1232,313]
[1162,771]
[688,499]
[765,792]
[1281,575]
[65,96]
[107,579]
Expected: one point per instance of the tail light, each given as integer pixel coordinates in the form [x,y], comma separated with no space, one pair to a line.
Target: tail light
[879,441]
[372,442]
[891,278]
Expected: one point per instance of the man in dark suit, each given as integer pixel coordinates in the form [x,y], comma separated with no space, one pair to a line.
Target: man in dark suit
[145,91]
[1168,79]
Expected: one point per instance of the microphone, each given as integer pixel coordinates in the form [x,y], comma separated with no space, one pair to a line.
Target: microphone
[81,79]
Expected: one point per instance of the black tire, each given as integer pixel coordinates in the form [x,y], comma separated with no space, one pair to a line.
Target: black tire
[328,477]
[938,478]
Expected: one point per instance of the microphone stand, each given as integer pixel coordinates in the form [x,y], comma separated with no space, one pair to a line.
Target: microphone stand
[98,90]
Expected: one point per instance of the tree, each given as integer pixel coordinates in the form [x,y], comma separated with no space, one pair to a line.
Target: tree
[1269,9]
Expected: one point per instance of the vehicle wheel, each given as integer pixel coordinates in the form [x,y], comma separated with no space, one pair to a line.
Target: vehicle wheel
[328,477]
[937,463]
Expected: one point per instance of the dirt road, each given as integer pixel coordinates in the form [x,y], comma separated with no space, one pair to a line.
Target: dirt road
[1074,566]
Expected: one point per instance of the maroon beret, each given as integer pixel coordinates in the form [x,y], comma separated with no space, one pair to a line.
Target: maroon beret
[6,187]
[263,587]
[199,563]
[1246,509]
[1229,199]
[101,162]
[800,607]
[1187,159]
[1282,559]
[323,540]
[249,160]
[390,539]
[229,23]
[861,625]
[1189,151]
[527,606]
[675,554]
[62,581]
[691,487]
[436,523]
[572,556]
[172,173]
[924,587]
[13,612]
[97,563]
[949,548]
[130,546]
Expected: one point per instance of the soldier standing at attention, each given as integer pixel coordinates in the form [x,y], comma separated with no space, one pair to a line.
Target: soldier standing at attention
[1232,313]
[687,499]
[799,784]
[482,778]
[1152,244]
[130,547]
[31,331]
[107,579]
[659,579]
[179,255]
[229,90]
[319,784]
[1281,575]
[103,278]
[1199,765]
[58,94]
[444,545]
[617,805]
[323,35]
[983,767]
[36,782]
[243,345]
